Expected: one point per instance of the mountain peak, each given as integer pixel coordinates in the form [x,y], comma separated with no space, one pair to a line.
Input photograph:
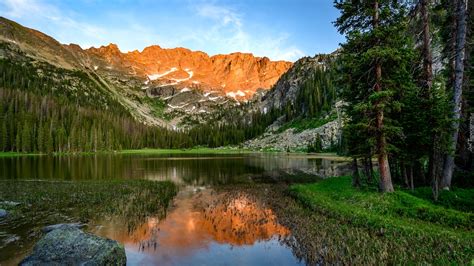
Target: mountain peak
[151,48]
[238,73]
[111,46]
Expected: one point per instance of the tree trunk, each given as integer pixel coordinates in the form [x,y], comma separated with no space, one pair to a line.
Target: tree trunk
[355,174]
[461,26]
[371,170]
[385,177]
[410,173]
[427,56]
[434,169]
[366,168]
[405,175]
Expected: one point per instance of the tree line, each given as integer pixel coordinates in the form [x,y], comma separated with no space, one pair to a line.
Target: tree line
[32,123]
[402,73]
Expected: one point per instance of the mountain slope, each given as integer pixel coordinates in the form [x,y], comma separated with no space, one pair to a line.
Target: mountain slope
[173,88]
[193,98]
[309,112]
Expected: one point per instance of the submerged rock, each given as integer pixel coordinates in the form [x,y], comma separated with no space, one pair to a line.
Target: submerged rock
[68,245]
[3,213]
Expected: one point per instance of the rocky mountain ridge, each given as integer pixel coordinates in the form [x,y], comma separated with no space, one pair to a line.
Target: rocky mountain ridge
[237,75]
[173,88]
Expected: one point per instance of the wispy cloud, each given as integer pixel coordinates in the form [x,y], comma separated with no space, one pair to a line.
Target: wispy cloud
[229,32]
[36,11]
[19,8]
[224,14]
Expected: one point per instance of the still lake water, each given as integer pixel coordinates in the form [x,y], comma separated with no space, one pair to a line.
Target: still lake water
[203,225]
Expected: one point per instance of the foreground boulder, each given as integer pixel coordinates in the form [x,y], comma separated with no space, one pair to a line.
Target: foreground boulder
[69,245]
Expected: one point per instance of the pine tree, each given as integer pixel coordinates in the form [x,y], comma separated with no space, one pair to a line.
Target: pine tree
[375,71]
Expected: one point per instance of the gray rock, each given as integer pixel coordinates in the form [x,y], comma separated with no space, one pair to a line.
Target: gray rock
[294,141]
[3,213]
[68,245]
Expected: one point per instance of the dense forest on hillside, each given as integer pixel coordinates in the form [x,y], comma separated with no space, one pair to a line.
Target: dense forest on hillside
[47,109]
[317,94]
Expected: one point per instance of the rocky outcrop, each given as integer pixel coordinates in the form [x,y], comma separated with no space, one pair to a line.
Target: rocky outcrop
[296,141]
[68,245]
[286,89]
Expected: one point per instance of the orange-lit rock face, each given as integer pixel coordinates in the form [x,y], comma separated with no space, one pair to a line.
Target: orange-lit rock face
[239,221]
[199,219]
[238,75]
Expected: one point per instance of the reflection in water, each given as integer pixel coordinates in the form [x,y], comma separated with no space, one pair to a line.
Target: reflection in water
[206,222]
[182,169]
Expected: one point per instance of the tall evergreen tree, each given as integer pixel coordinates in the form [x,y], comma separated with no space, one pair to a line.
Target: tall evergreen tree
[460,43]
[375,73]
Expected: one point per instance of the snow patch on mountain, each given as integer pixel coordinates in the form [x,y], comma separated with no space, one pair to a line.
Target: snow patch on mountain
[234,95]
[159,75]
[177,107]
[214,98]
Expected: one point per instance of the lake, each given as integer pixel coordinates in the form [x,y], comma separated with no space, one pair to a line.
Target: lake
[211,216]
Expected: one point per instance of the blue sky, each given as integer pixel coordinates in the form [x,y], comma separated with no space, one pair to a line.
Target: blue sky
[279,29]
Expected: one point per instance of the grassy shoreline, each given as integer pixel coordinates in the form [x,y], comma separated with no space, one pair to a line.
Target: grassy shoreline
[16,154]
[200,150]
[138,151]
[416,228]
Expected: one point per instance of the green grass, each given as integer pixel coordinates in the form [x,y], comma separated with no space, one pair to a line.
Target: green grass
[411,223]
[158,108]
[13,154]
[301,124]
[456,198]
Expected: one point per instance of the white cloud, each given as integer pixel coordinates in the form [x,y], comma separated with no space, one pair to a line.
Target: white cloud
[19,8]
[225,15]
[39,13]
[67,29]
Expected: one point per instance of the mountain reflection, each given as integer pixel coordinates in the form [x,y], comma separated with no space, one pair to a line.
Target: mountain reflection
[197,219]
